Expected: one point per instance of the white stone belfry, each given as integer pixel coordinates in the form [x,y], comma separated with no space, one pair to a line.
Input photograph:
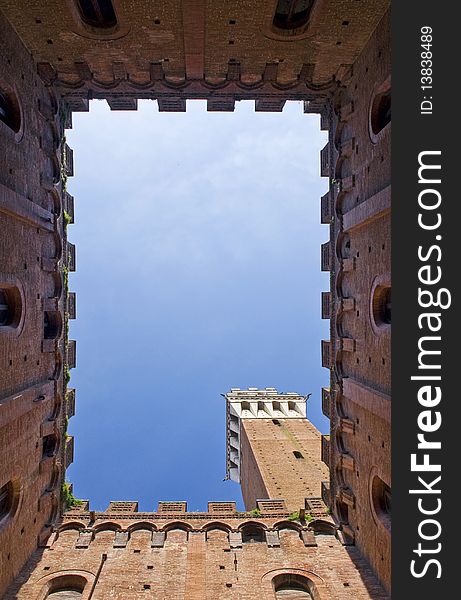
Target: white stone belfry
[256,404]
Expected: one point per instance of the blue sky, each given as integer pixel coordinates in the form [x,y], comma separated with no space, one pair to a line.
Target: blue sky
[198,269]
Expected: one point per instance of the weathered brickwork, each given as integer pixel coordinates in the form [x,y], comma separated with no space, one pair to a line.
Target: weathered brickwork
[53,63]
[360,353]
[32,352]
[194,556]
[271,469]
[192,49]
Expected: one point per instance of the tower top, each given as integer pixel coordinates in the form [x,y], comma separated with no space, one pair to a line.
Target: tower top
[254,403]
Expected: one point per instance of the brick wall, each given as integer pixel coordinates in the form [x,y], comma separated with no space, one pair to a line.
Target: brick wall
[269,467]
[360,342]
[194,556]
[31,365]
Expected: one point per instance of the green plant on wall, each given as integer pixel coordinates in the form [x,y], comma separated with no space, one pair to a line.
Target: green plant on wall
[67,496]
[67,218]
[294,516]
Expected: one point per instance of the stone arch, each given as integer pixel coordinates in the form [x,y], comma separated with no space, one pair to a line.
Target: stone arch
[50,445]
[322,526]
[212,525]
[380,304]
[10,497]
[56,407]
[52,324]
[343,245]
[287,525]
[379,493]
[141,525]
[55,201]
[67,537]
[54,477]
[310,581]
[12,305]
[81,581]
[252,531]
[57,366]
[107,526]
[177,525]
[77,525]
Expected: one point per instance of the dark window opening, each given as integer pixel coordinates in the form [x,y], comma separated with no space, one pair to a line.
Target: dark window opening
[292,14]
[253,534]
[51,325]
[10,306]
[381,111]
[6,500]
[49,445]
[6,311]
[9,111]
[382,305]
[66,587]
[297,454]
[381,497]
[292,587]
[342,511]
[97,13]
[386,500]
[276,422]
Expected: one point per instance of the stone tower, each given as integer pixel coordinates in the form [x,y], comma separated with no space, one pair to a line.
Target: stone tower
[272,449]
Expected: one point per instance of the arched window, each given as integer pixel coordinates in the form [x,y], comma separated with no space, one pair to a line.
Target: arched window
[342,510]
[252,533]
[9,497]
[10,306]
[381,498]
[10,113]
[66,587]
[292,14]
[51,325]
[6,496]
[6,310]
[381,305]
[380,115]
[50,443]
[99,14]
[292,587]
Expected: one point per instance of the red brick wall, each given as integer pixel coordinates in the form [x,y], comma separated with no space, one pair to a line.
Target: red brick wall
[361,352]
[31,383]
[196,562]
[269,467]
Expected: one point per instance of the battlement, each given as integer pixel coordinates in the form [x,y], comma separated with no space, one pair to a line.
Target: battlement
[265,507]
